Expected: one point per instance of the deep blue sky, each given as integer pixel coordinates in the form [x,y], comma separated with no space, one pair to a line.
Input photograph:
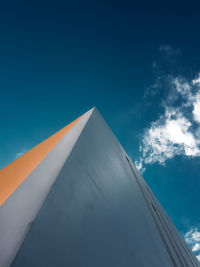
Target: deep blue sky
[58,59]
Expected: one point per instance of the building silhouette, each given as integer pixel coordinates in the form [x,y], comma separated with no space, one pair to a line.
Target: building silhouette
[77,200]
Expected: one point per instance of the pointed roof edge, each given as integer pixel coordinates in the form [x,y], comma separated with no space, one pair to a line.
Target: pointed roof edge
[14,174]
[27,199]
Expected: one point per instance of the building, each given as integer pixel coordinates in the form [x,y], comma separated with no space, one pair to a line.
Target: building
[77,200]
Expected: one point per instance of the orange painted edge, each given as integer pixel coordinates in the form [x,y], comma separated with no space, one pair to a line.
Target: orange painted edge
[13,175]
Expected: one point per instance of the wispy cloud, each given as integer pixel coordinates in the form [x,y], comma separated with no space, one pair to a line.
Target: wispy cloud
[139,164]
[20,153]
[169,50]
[177,130]
[192,237]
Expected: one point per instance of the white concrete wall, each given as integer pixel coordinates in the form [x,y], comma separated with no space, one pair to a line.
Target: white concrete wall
[99,213]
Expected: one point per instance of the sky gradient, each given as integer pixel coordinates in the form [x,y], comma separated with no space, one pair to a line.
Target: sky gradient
[139,64]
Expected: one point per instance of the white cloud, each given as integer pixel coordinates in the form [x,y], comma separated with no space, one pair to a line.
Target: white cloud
[139,165]
[186,90]
[192,237]
[196,247]
[182,86]
[196,80]
[20,154]
[196,108]
[198,257]
[174,133]
[196,235]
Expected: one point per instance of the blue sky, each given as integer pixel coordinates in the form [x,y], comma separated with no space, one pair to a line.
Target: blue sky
[139,64]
